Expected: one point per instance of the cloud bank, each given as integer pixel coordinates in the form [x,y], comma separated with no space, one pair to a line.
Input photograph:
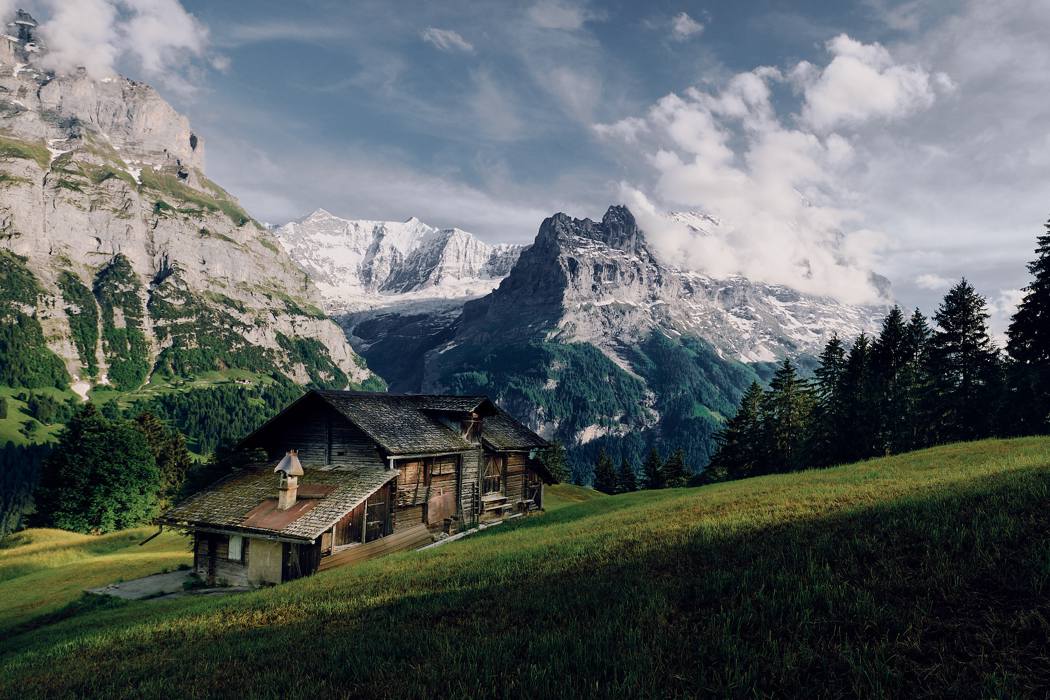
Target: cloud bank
[159,36]
[774,182]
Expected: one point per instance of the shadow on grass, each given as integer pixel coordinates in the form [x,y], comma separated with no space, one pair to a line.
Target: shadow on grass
[943,595]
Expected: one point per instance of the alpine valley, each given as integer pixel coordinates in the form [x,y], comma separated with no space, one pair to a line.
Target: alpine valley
[131,278]
[588,337]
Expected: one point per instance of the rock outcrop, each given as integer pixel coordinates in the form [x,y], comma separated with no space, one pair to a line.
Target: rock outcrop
[104,200]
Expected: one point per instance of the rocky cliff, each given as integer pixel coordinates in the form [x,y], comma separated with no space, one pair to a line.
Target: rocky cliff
[128,258]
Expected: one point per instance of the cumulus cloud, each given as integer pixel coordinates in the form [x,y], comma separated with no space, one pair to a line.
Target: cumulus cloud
[683,27]
[446,40]
[863,82]
[775,183]
[159,36]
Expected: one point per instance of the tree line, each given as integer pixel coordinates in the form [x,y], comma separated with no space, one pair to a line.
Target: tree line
[912,386]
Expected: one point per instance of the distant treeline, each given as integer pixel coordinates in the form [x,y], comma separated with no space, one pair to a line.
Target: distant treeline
[910,387]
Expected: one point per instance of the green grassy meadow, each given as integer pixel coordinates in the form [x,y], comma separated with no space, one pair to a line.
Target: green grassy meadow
[919,575]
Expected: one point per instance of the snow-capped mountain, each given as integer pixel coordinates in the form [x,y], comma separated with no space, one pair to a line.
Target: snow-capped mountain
[360,264]
[599,283]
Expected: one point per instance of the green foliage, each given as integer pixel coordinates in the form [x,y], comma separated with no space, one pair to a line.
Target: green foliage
[47,409]
[553,458]
[172,458]
[676,474]
[1029,347]
[28,150]
[100,477]
[118,291]
[82,313]
[3,407]
[626,479]
[25,359]
[653,470]
[921,575]
[19,474]
[201,337]
[314,357]
[604,474]
[217,416]
[169,185]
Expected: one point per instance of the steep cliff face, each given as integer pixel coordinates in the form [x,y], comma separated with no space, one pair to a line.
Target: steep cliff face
[361,264]
[143,265]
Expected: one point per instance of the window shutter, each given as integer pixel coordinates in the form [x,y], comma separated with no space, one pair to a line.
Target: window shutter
[235,547]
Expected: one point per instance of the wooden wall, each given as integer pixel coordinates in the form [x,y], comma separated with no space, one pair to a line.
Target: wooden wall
[235,573]
[323,437]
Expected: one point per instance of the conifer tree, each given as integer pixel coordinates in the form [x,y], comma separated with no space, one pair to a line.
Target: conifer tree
[786,409]
[916,387]
[826,424]
[627,481]
[890,355]
[859,420]
[964,367]
[738,444]
[553,458]
[1029,346]
[675,472]
[169,452]
[653,470]
[604,473]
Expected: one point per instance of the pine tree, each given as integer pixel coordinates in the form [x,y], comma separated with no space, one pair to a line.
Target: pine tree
[653,470]
[627,481]
[738,444]
[169,452]
[890,355]
[916,387]
[786,412]
[859,419]
[553,458]
[1029,346]
[825,432]
[964,366]
[604,473]
[675,472]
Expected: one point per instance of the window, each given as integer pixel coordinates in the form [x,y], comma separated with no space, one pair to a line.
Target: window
[236,552]
[493,482]
[442,467]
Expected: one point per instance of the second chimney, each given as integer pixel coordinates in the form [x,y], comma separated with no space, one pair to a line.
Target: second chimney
[288,487]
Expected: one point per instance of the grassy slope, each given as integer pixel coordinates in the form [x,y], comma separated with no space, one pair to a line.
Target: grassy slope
[922,574]
[43,571]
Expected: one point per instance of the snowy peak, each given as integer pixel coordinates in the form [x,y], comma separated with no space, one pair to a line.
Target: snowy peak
[599,283]
[361,264]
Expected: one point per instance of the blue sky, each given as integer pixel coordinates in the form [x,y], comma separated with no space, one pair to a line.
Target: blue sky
[831,139]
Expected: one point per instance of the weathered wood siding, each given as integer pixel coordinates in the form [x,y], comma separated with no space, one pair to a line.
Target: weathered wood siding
[265,563]
[514,476]
[322,436]
[469,488]
[220,569]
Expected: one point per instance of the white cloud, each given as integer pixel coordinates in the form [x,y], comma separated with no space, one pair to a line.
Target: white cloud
[684,27]
[558,14]
[158,35]
[863,82]
[933,282]
[788,215]
[446,40]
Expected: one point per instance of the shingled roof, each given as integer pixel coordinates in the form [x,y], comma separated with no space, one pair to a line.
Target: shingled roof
[246,500]
[503,433]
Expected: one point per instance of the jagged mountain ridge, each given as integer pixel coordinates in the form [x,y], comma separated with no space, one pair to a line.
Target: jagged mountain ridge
[361,264]
[134,261]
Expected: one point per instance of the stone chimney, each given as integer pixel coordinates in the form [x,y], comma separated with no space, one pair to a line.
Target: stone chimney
[288,486]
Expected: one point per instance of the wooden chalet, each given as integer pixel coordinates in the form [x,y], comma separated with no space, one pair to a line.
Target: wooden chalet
[352,475]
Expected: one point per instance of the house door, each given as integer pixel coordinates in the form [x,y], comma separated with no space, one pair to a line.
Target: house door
[377,511]
[442,501]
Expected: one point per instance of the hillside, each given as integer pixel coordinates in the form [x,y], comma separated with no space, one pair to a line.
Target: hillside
[922,575]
